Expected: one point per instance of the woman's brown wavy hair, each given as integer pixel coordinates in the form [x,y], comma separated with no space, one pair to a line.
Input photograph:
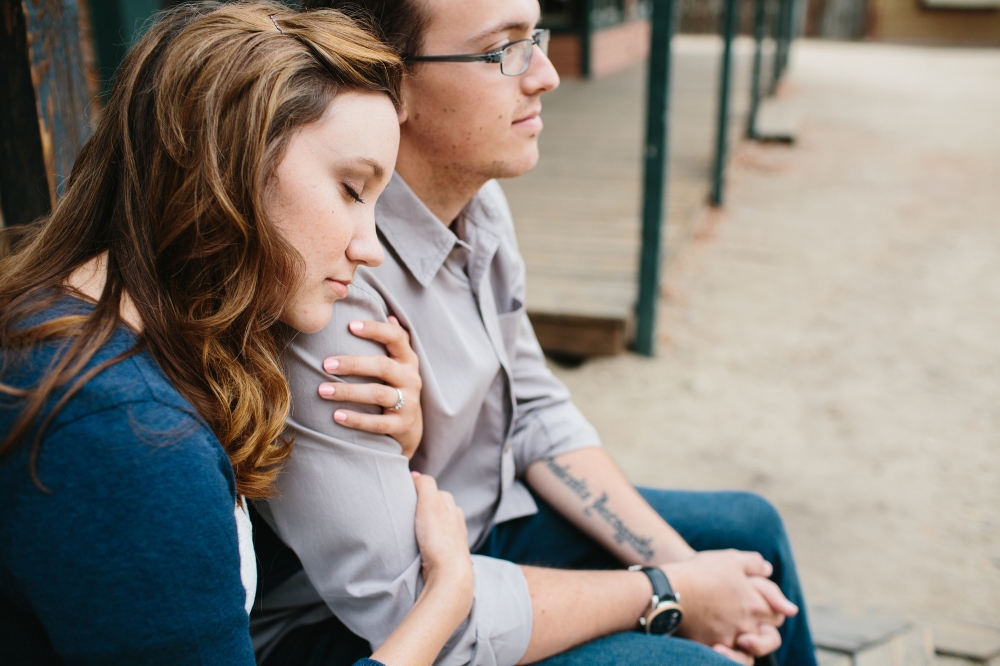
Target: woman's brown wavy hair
[170,189]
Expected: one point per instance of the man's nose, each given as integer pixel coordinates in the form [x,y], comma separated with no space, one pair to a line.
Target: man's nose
[364,248]
[541,76]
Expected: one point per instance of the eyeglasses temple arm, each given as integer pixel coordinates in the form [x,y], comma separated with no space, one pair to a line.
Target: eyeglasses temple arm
[462,57]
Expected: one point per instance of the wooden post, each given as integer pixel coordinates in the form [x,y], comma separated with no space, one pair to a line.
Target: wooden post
[44,119]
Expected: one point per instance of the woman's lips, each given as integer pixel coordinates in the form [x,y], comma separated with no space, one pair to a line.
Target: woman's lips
[339,287]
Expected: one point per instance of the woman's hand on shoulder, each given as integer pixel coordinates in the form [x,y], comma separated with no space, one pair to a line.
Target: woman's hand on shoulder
[399,370]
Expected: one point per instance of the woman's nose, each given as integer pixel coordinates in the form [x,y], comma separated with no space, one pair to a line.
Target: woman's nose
[364,248]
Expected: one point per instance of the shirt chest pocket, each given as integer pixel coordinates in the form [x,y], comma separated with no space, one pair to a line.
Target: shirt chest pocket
[510,323]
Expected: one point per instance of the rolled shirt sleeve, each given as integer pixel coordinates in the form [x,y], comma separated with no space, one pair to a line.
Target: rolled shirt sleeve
[346,508]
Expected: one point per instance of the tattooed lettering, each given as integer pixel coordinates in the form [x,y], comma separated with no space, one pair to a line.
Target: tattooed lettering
[622,534]
[578,486]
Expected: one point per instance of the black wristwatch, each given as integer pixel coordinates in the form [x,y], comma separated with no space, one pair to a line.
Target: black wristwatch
[665,613]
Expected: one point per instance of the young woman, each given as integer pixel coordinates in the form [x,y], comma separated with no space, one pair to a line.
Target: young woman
[225,197]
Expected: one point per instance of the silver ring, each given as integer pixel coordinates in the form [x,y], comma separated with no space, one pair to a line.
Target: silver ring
[399,403]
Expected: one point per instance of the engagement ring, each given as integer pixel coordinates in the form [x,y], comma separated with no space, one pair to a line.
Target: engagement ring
[399,403]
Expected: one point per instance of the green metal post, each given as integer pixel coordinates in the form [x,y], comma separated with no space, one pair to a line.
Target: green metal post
[778,35]
[730,21]
[789,34]
[786,20]
[759,29]
[654,173]
[586,33]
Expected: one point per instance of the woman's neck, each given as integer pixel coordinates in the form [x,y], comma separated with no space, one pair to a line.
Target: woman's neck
[88,280]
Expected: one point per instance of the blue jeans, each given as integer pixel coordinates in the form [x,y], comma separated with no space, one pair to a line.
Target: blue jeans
[707,521]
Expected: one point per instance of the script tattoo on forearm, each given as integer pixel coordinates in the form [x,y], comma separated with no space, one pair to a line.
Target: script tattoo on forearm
[600,506]
[622,533]
[578,486]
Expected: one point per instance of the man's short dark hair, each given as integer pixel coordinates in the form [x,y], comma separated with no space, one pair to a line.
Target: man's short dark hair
[400,23]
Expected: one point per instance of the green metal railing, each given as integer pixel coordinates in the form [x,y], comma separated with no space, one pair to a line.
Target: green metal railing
[783,31]
[664,18]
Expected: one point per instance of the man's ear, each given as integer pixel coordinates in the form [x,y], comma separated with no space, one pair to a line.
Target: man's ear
[404,102]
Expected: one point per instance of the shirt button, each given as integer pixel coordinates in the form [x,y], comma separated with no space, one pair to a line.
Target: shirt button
[506,447]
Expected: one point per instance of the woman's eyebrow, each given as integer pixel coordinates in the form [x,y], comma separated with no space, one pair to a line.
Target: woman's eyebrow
[366,166]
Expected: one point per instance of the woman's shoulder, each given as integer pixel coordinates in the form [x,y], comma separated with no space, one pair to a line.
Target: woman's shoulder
[127,412]
[134,379]
[134,385]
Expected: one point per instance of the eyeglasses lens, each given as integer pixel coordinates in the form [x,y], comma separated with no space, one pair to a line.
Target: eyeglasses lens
[516,58]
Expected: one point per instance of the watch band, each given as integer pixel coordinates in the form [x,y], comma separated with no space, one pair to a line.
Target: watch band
[661,584]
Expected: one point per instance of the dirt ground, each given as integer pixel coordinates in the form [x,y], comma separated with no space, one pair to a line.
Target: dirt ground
[832,340]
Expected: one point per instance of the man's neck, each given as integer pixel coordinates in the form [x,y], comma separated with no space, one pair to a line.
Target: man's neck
[444,190]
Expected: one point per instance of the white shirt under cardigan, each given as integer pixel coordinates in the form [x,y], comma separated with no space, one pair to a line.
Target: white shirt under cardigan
[491,408]
[248,560]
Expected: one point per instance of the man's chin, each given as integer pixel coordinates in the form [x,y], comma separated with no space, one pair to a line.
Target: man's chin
[517,165]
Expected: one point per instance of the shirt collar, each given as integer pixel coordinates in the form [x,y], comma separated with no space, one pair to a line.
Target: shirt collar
[419,239]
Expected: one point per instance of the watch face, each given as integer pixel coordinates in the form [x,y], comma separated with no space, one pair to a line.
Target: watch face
[665,621]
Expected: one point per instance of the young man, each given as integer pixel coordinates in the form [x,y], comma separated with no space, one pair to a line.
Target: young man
[551,520]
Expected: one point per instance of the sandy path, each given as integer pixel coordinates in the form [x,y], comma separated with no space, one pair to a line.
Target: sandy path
[833,341]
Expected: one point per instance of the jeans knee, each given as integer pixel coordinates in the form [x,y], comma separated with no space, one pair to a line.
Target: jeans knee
[760,521]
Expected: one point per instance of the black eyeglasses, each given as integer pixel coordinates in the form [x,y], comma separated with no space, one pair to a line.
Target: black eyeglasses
[514,59]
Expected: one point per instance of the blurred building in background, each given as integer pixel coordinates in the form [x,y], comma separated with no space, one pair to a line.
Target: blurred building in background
[594,38]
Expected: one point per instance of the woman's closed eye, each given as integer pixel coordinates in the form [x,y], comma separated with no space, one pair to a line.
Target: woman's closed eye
[351,192]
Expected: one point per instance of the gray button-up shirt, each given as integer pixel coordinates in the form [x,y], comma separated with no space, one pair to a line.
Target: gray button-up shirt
[490,407]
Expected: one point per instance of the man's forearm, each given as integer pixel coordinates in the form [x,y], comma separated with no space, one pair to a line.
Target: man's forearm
[589,490]
[572,607]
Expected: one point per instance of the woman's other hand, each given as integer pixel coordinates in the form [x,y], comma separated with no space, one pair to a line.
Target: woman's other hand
[400,373]
[446,599]
[444,543]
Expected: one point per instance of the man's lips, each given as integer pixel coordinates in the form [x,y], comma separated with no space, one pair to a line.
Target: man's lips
[531,118]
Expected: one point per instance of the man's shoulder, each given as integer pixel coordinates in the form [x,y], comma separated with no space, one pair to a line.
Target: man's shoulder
[364,301]
[364,294]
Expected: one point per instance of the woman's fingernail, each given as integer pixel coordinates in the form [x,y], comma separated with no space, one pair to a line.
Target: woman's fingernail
[340,416]
[331,365]
[356,326]
[414,474]
[326,390]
